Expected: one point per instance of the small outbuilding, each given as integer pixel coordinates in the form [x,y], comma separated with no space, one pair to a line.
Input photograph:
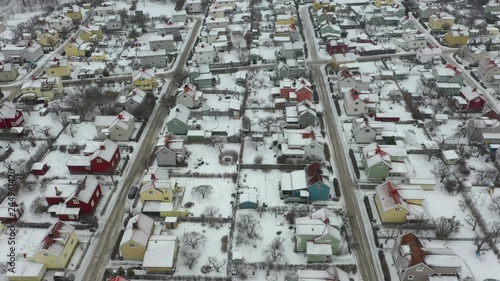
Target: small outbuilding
[450,157]
[171,222]
[39,168]
[248,200]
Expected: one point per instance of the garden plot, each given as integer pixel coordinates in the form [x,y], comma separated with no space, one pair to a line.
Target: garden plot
[228,82]
[264,183]
[210,248]
[422,167]
[21,152]
[392,107]
[271,116]
[220,102]
[77,134]
[259,148]
[27,239]
[42,126]
[219,195]
[205,159]
[488,206]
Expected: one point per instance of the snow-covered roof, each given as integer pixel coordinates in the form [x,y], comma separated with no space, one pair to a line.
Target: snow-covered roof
[179,112]
[7,110]
[147,74]
[160,252]
[56,237]
[152,53]
[122,120]
[430,51]
[202,48]
[158,38]
[248,197]
[333,273]
[26,270]
[138,229]
[450,155]
[344,58]
[374,155]
[62,209]
[318,249]
[137,95]
[295,180]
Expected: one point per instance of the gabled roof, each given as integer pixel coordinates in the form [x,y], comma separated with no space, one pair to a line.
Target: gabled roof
[56,238]
[7,110]
[179,112]
[313,173]
[148,74]
[488,64]
[139,229]
[470,93]
[374,155]
[104,150]
[118,278]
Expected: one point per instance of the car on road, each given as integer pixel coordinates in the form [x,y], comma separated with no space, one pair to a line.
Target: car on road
[132,192]
[63,276]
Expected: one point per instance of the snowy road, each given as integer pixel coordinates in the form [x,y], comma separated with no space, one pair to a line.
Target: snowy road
[100,257]
[368,265]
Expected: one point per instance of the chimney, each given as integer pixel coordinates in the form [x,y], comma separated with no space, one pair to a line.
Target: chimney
[135,225]
[153,177]
[102,147]
[58,192]
[120,116]
[51,234]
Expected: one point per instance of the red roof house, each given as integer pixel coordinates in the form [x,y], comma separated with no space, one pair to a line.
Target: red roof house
[99,158]
[10,116]
[469,99]
[39,168]
[118,278]
[336,46]
[296,90]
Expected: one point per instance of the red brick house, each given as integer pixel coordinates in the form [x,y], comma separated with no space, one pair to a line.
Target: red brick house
[469,99]
[336,46]
[10,116]
[67,199]
[492,114]
[98,158]
[296,90]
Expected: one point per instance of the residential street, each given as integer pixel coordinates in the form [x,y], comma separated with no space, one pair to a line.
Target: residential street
[110,231]
[368,263]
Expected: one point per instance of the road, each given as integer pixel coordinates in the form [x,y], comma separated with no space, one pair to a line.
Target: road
[367,262]
[111,229]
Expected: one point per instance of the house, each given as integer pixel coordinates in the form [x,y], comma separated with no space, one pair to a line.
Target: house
[209,37]
[162,43]
[348,80]
[287,31]
[76,47]
[61,23]
[10,116]
[448,80]
[194,7]
[429,54]
[170,151]
[109,22]
[226,3]
[136,236]
[48,38]
[130,102]
[286,19]
[327,5]
[426,10]
[450,157]
[367,131]
[308,184]
[213,23]
[482,125]
[385,161]
[345,60]
[301,115]
[118,127]
[219,11]
[332,273]
[29,52]
[74,12]
[357,102]
[298,144]
[205,53]
[399,203]
[91,33]
[158,190]
[153,58]
[414,261]
[440,21]
[57,246]
[98,56]
[161,254]
[488,70]
[290,68]
[324,15]
[380,3]
[248,200]
[169,27]
[456,37]
[68,199]
[144,80]
[39,168]
[10,211]
[98,158]
[8,72]
[330,31]
[413,39]
[292,50]
[59,67]
[43,89]
[200,76]
[179,16]
[104,10]
[470,99]
[393,11]
[177,120]
[492,6]
[318,235]
[31,271]
[473,54]
[189,96]
[296,90]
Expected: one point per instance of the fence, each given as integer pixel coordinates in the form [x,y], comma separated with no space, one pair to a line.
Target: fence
[220,92]
[211,113]
[203,175]
[282,167]
[48,224]
[311,266]
[226,65]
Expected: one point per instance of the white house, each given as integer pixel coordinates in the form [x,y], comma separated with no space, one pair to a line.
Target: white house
[298,143]
[193,6]
[348,80]
[488,70]
[29,52]
[131,101]
[209,37]
[205,54]
[413,39]
[153,58]
[357,102]
[189,96]
[60,23]
[428,54]
[162,43]
[213,22]
[117,128]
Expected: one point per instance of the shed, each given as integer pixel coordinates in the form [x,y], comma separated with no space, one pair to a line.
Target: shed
[248,200]
[426,184]
[450,157]
[39,168]
[27,271]
[171,222]
[43,111]
[75,119]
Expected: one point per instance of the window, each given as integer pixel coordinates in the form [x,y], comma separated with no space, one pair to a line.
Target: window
[411,277]
[150,192]
[76,201]
[307,116]
[420,268]
[45,254]
[132,245]
[117,128]
[87,168]
[176,122]
[120,135]
[92,203]
[356,103]
[397,209]
[97,193]
[72,241]
[99,160]
[328,239]
[380,164]
[367,130]
[52,72]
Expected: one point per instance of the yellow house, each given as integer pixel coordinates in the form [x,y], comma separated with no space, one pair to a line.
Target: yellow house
[74,12]
[328,5]
[78,48]
[457,37]
[135,238]
[161,254]
[167,209]
[286,19]
[59,67]
[440,21]
[27,271]
[144,80]
[98,56]
[57,246]
[49,38]
[92,33]
[396,203]
[158,190]
[340,61]
[380,3]
[42,89]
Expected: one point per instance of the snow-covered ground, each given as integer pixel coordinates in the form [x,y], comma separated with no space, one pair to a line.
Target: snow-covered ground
[210,158]
[220,196]
[264,183]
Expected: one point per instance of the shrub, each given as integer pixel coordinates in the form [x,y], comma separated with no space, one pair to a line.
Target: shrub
[258,159]
[326,150]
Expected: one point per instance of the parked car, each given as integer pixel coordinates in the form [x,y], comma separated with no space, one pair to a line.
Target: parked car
[63,276]
[132,192]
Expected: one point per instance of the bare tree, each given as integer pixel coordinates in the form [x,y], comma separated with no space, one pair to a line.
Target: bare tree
[211,211]
[446,226]
[70,130]
[45,130]
[275,252]
[218,143]
[193,239]
[60,115]
[495,205]
[39,206]
[246,123]
[267,122]
[248,226]
[203,190]
[189,257]
[470,220]
[83,99]
[495,231]
[242,52]
[441,171]
[260,210]
[258,159]
[179,76]
[257,144]
[216,264]
[485,174]
[481,244]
